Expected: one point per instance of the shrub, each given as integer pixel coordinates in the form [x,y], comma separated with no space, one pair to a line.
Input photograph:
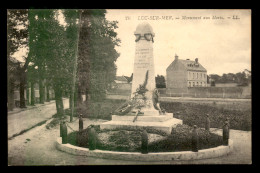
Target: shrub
[131,141]
[180,140]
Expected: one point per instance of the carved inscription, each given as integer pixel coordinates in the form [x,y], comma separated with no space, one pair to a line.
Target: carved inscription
[143,58]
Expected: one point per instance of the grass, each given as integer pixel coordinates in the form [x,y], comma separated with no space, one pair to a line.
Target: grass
[194,114]
[99,110]
[130,141]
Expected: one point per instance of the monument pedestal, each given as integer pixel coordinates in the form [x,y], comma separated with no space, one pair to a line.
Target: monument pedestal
[164,123]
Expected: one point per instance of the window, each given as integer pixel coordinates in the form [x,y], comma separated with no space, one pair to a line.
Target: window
[189,84]
[193,83]
[200,83]
[197,75]
[193,75]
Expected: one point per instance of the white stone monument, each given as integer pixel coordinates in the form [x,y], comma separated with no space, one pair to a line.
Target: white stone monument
[144,66]
[143,87]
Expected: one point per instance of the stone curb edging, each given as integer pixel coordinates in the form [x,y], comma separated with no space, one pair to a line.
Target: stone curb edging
[163,156]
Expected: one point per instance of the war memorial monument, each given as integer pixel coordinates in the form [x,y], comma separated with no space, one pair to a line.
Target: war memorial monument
[143,109]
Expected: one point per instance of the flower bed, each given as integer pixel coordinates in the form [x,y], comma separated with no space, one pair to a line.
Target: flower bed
[130,141]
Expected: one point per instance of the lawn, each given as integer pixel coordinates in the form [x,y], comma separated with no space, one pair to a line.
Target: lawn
[192,113]
[195,114]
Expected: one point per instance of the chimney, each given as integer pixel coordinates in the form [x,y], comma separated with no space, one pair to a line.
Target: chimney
[196,60]
[176,57]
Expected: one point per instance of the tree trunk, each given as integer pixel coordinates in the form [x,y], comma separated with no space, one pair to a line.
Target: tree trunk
[87,96]
[22,88]
[10,97]
[70,100]
[59,101]
[41,90]
[79,97]
[32,94]
[27,93]
[48,94]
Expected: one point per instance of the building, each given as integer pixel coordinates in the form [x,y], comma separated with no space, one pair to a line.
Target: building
[182,74]
[121,79]
[122,83]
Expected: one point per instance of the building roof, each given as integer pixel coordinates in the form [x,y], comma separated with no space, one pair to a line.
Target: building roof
[121,78]
[192,65]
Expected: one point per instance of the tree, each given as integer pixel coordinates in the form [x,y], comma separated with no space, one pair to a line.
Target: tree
[73,32]
[97,54]
[12,78]
[160,81]
[215,77]
[50,50]
[241,78]
[17,34]
[231,77]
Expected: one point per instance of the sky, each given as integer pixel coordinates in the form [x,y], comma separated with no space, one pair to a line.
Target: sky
[221,45]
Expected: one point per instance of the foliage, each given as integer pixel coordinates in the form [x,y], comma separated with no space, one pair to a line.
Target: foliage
[180,140]
[240,78]
[17,34]
[131,141]
[50,45]
[17,30]
[97,54]
[52,48]
[160,81]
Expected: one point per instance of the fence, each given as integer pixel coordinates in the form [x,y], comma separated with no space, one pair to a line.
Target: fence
[208,92]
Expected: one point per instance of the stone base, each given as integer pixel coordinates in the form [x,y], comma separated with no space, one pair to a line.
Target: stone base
[143,118]
[164,123]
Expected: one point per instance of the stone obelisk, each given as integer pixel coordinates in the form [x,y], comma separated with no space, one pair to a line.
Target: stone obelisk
[143,86]
[143,73]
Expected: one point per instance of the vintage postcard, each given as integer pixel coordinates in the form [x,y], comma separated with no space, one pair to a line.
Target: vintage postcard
[129,86]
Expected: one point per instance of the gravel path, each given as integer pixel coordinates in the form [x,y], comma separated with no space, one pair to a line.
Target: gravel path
[37,147]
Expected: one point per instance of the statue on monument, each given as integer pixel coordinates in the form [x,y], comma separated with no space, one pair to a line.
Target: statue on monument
[156,102]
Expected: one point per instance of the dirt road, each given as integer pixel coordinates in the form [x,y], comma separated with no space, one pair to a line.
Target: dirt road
[26,119]
[37,147]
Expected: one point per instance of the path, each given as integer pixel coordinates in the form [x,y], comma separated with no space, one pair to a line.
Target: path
[37,147]
[26,119]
